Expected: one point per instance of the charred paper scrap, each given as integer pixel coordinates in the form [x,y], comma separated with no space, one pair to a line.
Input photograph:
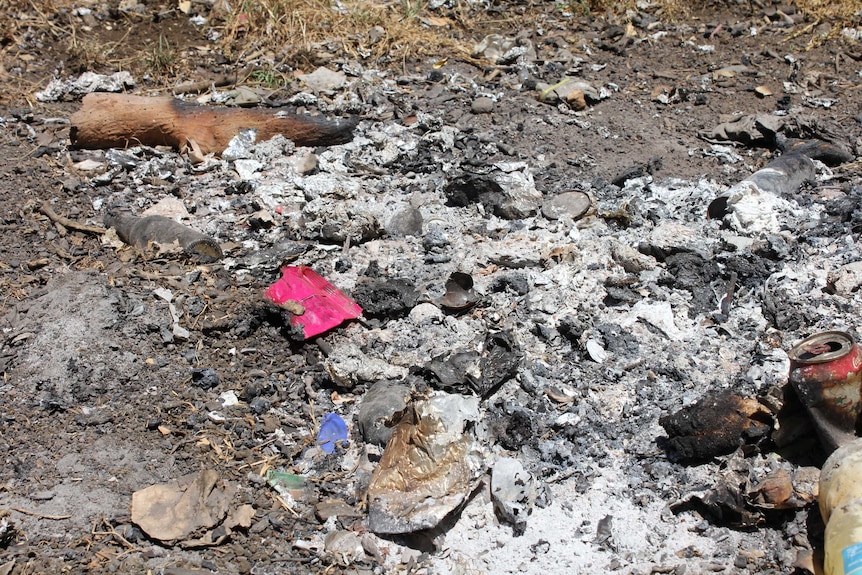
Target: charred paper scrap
[749,491]
[431,464]
[715,425]
[482,371]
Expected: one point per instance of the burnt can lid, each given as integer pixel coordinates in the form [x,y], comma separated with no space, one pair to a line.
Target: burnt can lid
[822,347]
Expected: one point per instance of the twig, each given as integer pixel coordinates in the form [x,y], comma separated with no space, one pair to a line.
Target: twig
[199,316]
[728,296]
[39,515]
[236,77]
[286,506]
[68,223]
[111,531]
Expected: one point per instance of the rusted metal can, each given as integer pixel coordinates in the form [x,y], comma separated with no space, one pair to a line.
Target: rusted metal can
[826,372]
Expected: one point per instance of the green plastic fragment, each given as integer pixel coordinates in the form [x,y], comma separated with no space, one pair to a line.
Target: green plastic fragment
[282,480]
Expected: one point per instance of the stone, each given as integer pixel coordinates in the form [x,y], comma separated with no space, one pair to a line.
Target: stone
[406,222]
[323,79]
[573,204]
[482,105]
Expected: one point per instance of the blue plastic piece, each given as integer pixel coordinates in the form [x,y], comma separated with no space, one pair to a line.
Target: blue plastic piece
[333,430]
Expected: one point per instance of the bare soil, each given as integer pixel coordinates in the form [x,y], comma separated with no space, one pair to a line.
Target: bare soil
[98,398]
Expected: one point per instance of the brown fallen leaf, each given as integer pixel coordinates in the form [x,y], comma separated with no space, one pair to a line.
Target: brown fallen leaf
[240,517]
[762,91]
[173,511]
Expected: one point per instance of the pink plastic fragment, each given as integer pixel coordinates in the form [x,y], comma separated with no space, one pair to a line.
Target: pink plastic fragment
[321,305]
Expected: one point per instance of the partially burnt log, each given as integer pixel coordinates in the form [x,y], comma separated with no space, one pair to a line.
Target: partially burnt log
[715,425]
[122,120]
[143,232]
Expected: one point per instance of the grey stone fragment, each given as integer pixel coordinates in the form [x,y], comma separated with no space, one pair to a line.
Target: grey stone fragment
[379,403]
[344,546]
[482,106]
[347,365]
[572,204]
[324,79]
[406,222]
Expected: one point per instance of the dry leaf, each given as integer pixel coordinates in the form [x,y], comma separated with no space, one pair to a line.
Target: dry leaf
[173,511]
[762,91]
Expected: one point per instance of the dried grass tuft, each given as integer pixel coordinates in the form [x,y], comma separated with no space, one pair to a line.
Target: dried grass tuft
[298,30]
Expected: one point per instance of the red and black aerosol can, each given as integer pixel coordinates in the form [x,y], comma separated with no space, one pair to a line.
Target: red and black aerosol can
[826,372]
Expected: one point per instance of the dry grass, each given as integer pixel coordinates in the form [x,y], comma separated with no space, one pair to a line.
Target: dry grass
[297,29]
[304,33]
[841,13]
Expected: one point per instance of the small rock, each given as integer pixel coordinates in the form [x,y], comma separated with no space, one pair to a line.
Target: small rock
[376,34]
[425,313]
[596,351]
[259,405]
[846,279]
[324,79]
[347,366]
[407,222]
[385,298]
[573,92]
[631,260]
[168,207]
[435,239]
[345,546]
[335,508]
[305,164]
[244,97]
[205,377]
[762,91]
[247,168]
[89,165]
[493,47]
[228,398]
[482,106]
[573,204]
[261,220]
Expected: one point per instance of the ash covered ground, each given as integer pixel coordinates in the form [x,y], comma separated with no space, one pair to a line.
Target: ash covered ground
[537,269]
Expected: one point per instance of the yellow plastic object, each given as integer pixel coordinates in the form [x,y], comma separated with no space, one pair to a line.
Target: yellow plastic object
[841,508]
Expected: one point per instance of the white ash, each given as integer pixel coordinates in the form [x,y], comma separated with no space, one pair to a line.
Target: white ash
[605,438]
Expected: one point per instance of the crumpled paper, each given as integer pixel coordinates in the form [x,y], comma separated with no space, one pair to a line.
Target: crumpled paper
[749,129]
[175,511]
[430,465]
